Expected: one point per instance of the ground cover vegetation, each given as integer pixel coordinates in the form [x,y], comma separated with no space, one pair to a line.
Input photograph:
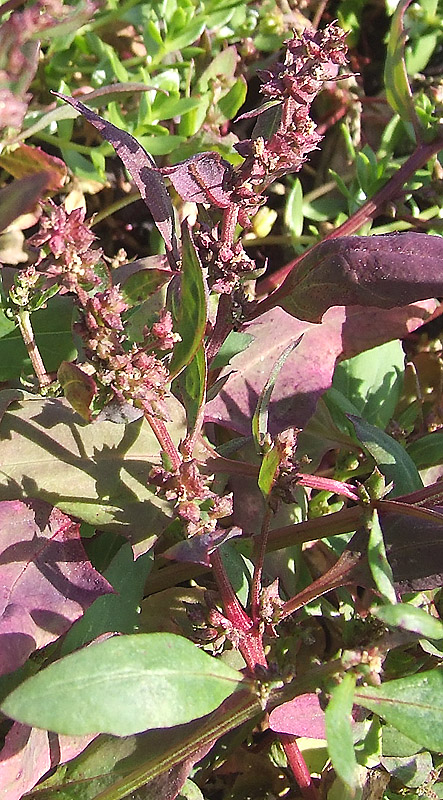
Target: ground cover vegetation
[221,548]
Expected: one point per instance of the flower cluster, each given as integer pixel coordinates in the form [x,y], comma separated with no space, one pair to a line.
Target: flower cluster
[133,374]
[310,60]
[195,504]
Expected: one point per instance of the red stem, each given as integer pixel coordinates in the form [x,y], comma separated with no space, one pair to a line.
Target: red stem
[162,434]
[298,767]
[258,560]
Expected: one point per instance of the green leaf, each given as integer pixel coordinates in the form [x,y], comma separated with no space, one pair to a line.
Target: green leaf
[234,343]
[413,705]
[127,577]
[234,99]
[427,451]
[398,90]
[339,732]
[410,618]
[372,381]
[390,456]
[53,335]
[269,466]
[294,209]
[379,565]
[192,382]
[97,472]
[189,308]
[124,685]
[260,418]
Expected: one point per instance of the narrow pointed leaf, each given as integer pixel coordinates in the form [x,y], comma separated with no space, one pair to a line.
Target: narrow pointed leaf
[124,685]
[413,705]
[143,170]
[260,418]
[339,731]
[189,306]
[378,563]
[398,90]
[379,271]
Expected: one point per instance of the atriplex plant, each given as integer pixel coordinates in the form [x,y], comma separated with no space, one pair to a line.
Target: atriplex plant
[142,454]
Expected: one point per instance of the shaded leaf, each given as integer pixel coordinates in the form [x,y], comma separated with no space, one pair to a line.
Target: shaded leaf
[143,170]
[48,580]
[28,753]
[302,716]
[78,388]
[124,685]
[21,196]
[414,546]
[379,271]
[189,306]
[25,160]
[414,705]
[427,451]
[391,458]
[96,472]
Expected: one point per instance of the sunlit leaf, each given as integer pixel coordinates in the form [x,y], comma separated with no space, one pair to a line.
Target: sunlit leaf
[414,705]
[124,685]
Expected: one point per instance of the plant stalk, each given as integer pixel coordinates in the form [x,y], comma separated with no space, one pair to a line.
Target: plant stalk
[25,327]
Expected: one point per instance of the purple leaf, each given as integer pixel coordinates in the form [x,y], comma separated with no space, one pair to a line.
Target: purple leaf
[47,579]
[143,170]
[302,716]
[203,178]
[379,271]
[308,371]
[29,753]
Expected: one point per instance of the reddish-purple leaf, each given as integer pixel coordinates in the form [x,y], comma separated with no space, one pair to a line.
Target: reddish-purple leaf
[308,371]
[302,716]
[29,753]
[47,581]
[143,170]
[27,160]
[203,178]
[21,196]
[379,271]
